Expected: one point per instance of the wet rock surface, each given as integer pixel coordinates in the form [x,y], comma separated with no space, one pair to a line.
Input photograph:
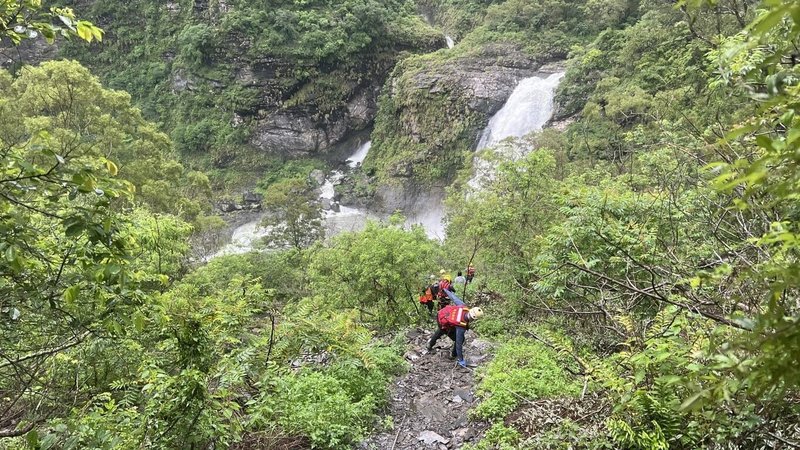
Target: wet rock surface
[429,404]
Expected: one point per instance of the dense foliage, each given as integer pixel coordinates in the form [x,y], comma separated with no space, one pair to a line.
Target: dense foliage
[640,266]
[657,229]
[207,71]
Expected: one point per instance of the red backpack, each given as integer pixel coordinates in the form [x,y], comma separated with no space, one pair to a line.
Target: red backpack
[427,296]
[443,285]
[453,316]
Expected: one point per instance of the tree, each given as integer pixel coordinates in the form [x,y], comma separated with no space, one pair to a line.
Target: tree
[294,214]
[377,271]
[28,19]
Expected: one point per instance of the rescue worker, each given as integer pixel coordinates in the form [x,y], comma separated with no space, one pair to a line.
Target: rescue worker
[470,273]
[429,294]
[445,287]
[453,321]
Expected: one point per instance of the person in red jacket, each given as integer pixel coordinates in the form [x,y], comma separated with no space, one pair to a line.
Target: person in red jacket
[453,321]
[445,287]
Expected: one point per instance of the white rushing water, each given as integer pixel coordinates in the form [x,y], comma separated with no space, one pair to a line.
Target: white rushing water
[450,42]
[360,154]
[528,109]
[244,239]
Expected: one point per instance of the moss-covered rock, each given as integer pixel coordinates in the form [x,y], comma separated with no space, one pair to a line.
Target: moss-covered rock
[434,107]
[233,80]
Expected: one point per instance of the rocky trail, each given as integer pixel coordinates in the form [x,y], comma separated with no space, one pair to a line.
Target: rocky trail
[429,403]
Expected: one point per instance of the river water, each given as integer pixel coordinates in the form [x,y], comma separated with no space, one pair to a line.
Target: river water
[528,109]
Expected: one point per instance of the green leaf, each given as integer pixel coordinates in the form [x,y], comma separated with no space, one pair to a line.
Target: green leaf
[32,438]
[138,321]
[767,22]
[695,401]
[112,168]
[71,294]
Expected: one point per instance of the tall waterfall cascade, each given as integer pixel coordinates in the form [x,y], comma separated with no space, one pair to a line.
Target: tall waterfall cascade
[528,109]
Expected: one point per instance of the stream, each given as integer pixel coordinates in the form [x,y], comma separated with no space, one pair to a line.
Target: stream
[528,109]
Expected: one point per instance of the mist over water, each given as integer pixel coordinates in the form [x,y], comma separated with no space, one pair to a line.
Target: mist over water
[528,109]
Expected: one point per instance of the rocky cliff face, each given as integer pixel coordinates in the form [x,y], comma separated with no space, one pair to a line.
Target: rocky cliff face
[233,82]
[435,106]
[301,131]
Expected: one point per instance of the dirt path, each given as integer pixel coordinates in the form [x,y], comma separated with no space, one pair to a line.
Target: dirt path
[429,403]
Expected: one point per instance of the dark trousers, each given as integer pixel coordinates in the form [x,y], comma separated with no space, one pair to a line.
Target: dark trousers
[429,305]
[456,334]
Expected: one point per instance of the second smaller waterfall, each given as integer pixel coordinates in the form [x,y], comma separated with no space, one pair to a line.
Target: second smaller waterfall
[358,157]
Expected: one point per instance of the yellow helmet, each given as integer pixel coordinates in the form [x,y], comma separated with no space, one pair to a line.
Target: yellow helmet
[475,312]
[448,278]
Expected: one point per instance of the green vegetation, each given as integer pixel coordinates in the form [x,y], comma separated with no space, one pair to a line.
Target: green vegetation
[643,264]
[293,214]
[208,71]
[657,232]
[521,369]
[427,122]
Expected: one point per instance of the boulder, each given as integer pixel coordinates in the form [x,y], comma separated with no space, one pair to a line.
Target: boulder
[429,437]
[227,206]
[249,197]
[317,176]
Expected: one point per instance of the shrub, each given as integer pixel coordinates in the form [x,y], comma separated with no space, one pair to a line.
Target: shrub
[522,369]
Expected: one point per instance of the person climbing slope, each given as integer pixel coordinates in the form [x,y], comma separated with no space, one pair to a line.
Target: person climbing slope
[429,294]
[470,273]
[445,288]
[453,321]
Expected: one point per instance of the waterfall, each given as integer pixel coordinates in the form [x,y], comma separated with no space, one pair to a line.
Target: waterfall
[359,156]
[450,42]
[528,108]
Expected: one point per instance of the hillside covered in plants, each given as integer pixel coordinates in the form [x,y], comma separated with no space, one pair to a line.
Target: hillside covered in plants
[637,260]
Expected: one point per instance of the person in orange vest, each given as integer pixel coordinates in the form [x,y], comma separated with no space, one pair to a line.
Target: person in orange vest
[453,321]
[445,286]
[429,294]
[470,273]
